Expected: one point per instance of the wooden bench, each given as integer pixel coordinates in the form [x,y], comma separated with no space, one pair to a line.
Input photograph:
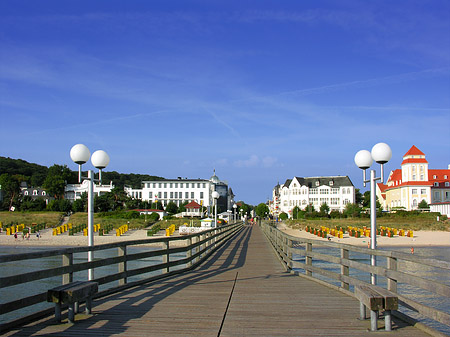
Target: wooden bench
[375,299]
[71,294]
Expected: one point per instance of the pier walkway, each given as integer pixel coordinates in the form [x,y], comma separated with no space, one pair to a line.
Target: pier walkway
[241,290]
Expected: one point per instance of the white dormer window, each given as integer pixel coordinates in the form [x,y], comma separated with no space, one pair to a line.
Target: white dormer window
[447,184]
[331,182]
[434,177]
[436,184]
[317,183]
[445,177]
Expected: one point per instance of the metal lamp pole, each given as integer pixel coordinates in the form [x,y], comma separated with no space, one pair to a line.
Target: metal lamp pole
[381,153]
[215,196]
[234,210]
[80,155]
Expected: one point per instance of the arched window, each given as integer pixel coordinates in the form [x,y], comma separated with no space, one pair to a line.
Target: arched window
[35,192]
[25,193]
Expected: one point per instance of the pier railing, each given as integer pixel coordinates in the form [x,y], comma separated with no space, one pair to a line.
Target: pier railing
[344,266]
[168,255]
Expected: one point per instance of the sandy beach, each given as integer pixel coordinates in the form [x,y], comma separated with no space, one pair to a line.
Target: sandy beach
[64,240]
[420,238]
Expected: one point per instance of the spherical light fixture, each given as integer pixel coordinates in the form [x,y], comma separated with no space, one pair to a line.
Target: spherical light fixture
[80,154]
[215,195]
[363,159]
[381,153]
[100,159]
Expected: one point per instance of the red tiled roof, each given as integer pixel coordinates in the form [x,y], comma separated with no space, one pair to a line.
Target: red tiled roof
[382,187]
[440,175]
[192,204]
[414,151]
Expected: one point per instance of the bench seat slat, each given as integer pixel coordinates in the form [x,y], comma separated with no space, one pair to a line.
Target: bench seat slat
[369,297]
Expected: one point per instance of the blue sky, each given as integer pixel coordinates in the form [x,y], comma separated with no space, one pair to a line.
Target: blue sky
[259,90]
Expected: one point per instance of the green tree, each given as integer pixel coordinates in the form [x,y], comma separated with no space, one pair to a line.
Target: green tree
[358,197]
[171,208]
[352,210]
[56,180]
[423,204]
[181,208]
[296,211]
[324,209]
[261,210]
[283,216]
[11,189]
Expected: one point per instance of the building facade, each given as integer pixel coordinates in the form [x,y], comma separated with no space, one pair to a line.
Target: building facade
[182,190]
[335,191]
[413,182]
[74,191]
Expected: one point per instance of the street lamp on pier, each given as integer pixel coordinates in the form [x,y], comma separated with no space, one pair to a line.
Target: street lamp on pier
[234,210]
[80,154]
[215,196]
[381,153]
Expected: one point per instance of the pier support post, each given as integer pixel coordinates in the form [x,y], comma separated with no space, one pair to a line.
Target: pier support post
[67,261]
[344,269]
[122,251]
[392,265]
[308,259]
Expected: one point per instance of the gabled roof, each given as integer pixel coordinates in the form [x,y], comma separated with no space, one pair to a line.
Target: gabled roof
[337,181]
[192,204]
[440,175]
[414,151]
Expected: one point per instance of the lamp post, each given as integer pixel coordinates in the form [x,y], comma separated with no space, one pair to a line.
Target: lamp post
[80,155]
[242,214]
[234,211]
[215,196]
[381,153]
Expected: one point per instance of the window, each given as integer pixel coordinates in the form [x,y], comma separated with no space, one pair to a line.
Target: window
[165,195]
[414,177]
[421,168]
[201,195]
[165,185]
[436,195]
[186,195]
[150,195]
[159,185]
[317,183]
[198,185]
[421,177]
[447,195]
[181,185]
[171,195]
[414,191]
[313,191]
[204,185]
[192,195]
[414,168]
[445,177]
[447,184]
[187,185]
[35,192]
[176,185]
[434,177]
[423,191]
[436,184]
[171,185]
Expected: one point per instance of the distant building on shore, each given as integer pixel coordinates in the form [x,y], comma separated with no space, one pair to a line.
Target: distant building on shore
[335,191]
[413,182]
[75,191]
[182,190]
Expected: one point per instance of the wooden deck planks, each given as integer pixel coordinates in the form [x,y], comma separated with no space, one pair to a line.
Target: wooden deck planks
[265,301]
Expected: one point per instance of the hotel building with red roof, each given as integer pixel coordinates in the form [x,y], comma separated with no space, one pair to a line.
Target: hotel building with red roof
[413,182]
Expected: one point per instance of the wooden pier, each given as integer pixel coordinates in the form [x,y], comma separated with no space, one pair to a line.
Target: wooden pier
[241,290]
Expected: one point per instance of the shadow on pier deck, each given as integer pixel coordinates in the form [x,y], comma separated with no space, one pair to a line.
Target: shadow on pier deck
[242,290]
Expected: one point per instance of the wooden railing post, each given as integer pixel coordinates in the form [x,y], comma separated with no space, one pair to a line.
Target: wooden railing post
[122,251]
[189,252]
[308,259]
[392,265]
[344,269]
[166,256]
[67,260]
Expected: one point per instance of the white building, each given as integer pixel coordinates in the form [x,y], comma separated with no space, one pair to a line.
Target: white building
[335,191]
[183,190]
[74,191]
